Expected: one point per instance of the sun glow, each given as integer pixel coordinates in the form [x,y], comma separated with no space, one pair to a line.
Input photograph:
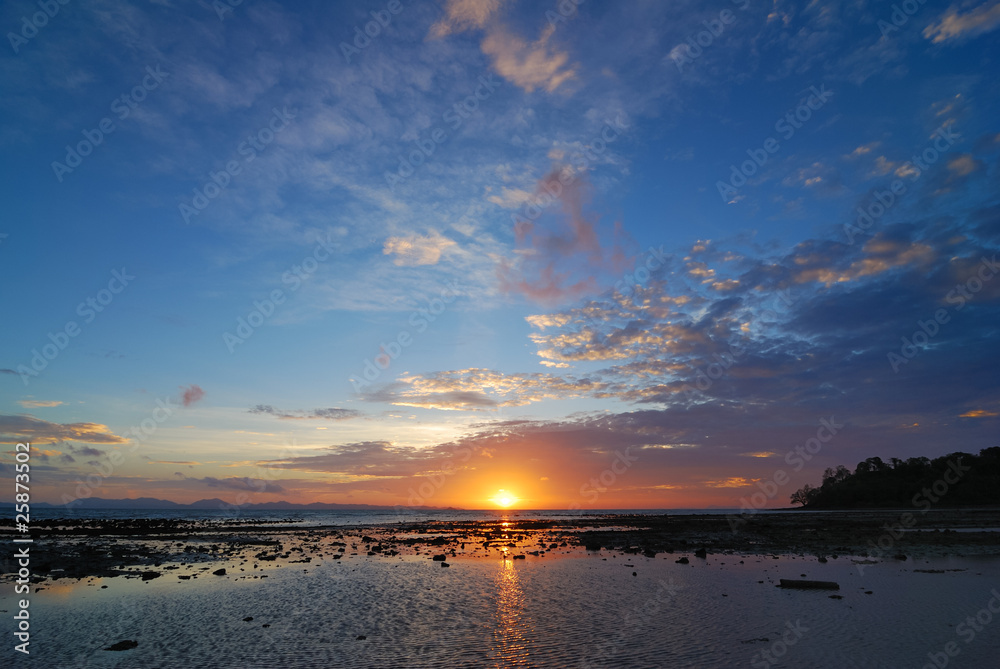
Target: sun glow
[504,499]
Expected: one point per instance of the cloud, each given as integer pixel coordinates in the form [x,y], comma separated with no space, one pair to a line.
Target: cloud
[191,394]
[299,414]
[953,25]
[561,260]
[14,429]
[478,389]
[416,250]
[464,15]
[245,483]
[979,413]
[38,404]
[529,65]
[8,371]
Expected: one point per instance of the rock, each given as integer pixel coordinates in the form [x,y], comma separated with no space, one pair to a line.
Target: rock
[123,645]
[649,553]
[836,596]
[361,637]
[445,564]
[219,572]
[701,553]
[248,619]
[634,574]
[440,558]
[150,575]
[184,577]
[900,557]
[266,625]
[821,560]
[519,557]
[808,585]
[683,560]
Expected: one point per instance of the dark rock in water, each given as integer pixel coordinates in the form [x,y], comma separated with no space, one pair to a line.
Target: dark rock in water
[701,553]
[445,564]
[248,619]
[821,560]
[266,625]
[150,575]
[219,572]
[634,574]
[836,596]
[683,560]
[123,645]
[900,557]
[868,592]
[519,557]
[808,585]
[440,558]
[361,637]
[649,553]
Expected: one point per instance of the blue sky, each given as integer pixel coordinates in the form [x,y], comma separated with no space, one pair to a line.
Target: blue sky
[548,151]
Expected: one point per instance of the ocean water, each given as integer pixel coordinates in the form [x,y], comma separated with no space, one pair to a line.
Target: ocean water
[571,609]
[355,518]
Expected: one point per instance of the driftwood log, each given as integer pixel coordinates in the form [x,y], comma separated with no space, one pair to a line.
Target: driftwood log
[808,585]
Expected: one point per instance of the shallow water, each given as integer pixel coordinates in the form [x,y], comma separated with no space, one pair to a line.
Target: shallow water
[575,610]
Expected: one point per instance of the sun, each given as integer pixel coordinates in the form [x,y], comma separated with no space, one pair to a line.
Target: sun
[504,499]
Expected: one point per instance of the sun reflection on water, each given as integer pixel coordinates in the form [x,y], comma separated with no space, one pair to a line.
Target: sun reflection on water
[511,634]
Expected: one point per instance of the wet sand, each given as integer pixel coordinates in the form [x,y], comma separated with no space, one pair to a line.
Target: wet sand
[616,591]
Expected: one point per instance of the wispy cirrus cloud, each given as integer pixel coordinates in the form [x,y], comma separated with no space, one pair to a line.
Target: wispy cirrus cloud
[301,414]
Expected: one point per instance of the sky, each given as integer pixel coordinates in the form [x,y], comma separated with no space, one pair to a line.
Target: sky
[594,255]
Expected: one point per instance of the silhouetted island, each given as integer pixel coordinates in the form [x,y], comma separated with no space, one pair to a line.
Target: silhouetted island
[953,480]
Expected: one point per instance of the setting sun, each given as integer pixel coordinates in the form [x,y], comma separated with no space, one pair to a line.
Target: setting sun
[504,498]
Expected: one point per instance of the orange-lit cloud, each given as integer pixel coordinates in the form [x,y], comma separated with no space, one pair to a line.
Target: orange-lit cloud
[14,429]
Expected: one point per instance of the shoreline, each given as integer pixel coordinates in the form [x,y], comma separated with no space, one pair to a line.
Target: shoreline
[78,548]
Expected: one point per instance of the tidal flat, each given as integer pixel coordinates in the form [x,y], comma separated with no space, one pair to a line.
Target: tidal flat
[615,591]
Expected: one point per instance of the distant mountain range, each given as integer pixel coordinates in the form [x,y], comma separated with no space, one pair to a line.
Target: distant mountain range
[153,504]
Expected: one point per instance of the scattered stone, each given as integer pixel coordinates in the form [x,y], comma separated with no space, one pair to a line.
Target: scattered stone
[440,558]
[123,645]
[836,596]
[219,572]
[361,637]
[445,564]
[248,619]
[701,553]
[150,575]
[683,560]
